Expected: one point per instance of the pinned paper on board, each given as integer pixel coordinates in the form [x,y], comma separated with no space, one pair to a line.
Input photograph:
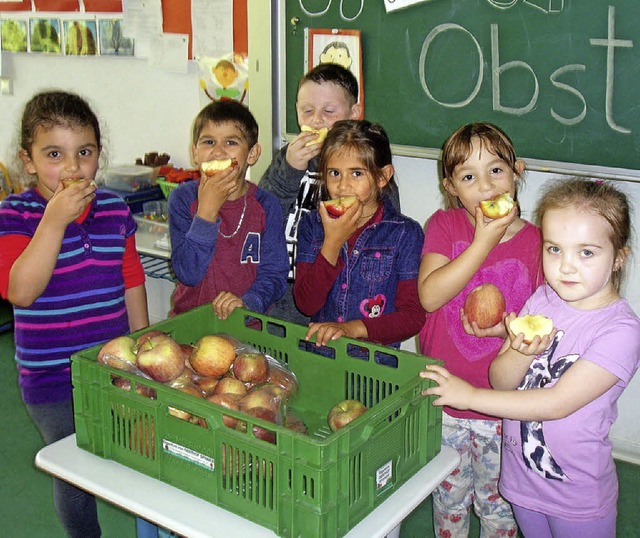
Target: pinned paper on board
[224,78]
[337,46]
[394,5]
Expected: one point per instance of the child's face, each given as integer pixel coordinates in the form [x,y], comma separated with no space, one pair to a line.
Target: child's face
[346,175]
[482,176]
[321,105]
[578,257]
[219,141]
[59,153]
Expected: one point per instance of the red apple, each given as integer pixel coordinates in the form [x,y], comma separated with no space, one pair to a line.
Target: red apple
[294,423]
[119,353]
[179,413]
[344,412]
[149,334]
[251,367]
[268,395]
[160,357]
[259,432]
[231,386]
[283,377]
[228,401]
[497,207]
[207,384]
[531,325]
[338,206]
[212,356]
[485,305]
[125,384]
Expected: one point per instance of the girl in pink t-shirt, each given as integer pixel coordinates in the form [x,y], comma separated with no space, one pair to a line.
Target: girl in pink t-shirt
[464,249]
[559,390]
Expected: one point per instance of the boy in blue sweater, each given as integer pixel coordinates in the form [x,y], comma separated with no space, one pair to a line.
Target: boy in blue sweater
[227,235]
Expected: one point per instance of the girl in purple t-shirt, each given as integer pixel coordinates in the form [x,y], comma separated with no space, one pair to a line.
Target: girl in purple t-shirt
[559,390]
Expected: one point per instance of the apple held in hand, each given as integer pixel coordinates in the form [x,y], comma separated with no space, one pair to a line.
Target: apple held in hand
[211,167]
[251,367]
[338,206]
[161,358]
[531,325]
[485,305]
[212,356]
[66,183]
[321,134]
[119,353]
[344,412]
[497,207]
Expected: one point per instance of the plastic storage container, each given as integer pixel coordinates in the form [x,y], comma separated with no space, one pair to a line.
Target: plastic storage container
[136,200]
[130,178]
[316,485]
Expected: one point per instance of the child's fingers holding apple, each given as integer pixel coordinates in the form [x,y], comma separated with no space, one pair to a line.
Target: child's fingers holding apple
[300,151]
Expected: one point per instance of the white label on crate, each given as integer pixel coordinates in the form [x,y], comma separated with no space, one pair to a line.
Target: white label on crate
[188,454]
[384,475]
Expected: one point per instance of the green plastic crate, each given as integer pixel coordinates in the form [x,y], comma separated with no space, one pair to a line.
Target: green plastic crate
[166,186]
[316,485]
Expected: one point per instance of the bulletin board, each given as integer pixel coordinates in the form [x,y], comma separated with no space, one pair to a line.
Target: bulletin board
[561,77]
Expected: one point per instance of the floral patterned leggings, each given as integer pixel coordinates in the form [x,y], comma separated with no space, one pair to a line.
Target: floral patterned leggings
[475,481]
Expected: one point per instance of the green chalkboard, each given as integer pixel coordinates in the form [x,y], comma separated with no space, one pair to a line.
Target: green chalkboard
[561,77]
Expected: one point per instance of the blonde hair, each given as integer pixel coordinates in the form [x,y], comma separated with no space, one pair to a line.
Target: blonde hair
[599,198]
[457,149]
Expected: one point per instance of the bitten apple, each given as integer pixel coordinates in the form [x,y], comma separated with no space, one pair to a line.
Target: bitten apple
[531,325]
[212,356]
[338,206]
[321,134]
[66,183]
[497,207]
[251,367]
[211,167]
[344,412]
[485,305]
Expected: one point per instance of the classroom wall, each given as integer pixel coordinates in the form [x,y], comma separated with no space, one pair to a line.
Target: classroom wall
[147,109]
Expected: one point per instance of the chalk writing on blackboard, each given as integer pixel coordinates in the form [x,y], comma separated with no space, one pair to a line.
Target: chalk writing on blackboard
[344,16]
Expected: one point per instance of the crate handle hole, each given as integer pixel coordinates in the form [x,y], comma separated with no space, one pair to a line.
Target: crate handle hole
[322,351]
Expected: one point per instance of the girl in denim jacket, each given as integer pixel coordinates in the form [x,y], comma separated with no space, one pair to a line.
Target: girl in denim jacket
[356,273]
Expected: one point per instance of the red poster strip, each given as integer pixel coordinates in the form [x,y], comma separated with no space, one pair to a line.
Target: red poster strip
[240,32]
[103,6]
[57,5]
[21,5]
[176,16]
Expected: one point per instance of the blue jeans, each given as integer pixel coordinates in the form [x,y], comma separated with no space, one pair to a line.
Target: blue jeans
[76,508]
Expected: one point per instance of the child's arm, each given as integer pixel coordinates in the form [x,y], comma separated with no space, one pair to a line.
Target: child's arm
[441,279]
[32,270]
[136,301]
[193,240]
[582,383]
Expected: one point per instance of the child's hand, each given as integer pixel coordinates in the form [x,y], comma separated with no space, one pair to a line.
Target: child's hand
[451,390]
[535,347]
[491,231]
[498,330]
[339,230]
[215,190]
[327,331]
[299,154]
[66,205]
[225,303]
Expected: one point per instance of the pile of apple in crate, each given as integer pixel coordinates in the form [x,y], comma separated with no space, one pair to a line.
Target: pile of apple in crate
[222,370]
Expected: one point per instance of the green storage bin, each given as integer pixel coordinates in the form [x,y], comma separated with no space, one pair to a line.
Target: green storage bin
[316,485]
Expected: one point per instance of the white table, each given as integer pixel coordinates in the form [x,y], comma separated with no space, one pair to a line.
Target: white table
[191,516]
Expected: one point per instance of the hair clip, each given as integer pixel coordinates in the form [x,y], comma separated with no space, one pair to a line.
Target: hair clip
[599,181]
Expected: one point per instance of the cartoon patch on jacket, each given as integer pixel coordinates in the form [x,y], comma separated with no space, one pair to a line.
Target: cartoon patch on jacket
[373,307]
[535,452]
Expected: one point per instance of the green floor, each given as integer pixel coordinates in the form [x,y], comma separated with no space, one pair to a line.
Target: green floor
[26,507]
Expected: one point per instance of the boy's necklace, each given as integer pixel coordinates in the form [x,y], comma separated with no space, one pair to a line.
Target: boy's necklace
[244,209]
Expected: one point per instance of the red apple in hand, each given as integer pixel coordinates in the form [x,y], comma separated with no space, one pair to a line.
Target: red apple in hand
[161,358]
[251,367]
[338,206]
[497,207]
[344,412]
[212,356]
[485,305]
[531,325]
